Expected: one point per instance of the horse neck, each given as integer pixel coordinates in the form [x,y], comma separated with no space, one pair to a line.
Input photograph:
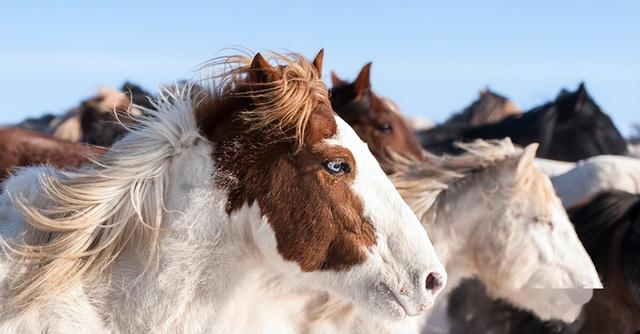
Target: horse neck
[204,257]
[452,231]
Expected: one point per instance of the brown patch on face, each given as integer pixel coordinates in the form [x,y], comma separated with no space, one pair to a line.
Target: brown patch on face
[374,120]
[317,219]
[20,148]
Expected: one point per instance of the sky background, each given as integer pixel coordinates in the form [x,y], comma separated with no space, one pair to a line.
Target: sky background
[430,57]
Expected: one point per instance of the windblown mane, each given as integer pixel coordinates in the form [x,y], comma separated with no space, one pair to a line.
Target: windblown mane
[596,223]
[84,218]
[420,182]
[282,107]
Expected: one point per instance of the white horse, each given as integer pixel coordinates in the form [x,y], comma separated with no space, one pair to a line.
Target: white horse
[492,215]
[552,168]
[591,176]
[200,202]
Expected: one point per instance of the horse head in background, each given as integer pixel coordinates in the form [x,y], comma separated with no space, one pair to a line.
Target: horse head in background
[609,227]
[20,148]
[494,215]
[571,128]
[375,119]
[258,177]
[490,107]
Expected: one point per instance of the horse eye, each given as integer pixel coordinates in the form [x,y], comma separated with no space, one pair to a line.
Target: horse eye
[337,166]
[384,128]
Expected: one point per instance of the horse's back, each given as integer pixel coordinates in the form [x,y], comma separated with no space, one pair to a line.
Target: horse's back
[600,173]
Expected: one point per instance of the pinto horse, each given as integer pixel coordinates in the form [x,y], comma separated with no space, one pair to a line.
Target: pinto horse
[375,119]
[20,148]
[571,128]
[492,215]
[200,201]
[490,107]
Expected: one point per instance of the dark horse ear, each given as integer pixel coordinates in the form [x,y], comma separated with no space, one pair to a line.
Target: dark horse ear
[336,81]
[581,96]
[363,82]
[261,71]
[317,62]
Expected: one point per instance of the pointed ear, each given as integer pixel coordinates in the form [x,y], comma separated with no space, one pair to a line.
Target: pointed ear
[363,82]
[581,96]
[261,71]
[336,81]
[317,62]
[526,158]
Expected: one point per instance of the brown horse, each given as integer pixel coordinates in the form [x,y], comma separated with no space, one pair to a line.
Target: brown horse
[375,119]
[20,148]
[490,107]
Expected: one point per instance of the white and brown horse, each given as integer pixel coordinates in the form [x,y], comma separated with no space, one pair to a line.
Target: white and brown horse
[492,215]
[203,200]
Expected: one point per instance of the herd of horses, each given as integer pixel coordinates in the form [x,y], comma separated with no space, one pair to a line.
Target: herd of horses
[255,199]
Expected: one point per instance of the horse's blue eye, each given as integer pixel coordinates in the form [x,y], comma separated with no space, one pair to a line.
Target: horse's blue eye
[337,166]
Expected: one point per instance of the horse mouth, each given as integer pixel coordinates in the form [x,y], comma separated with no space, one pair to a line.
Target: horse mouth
[390,299]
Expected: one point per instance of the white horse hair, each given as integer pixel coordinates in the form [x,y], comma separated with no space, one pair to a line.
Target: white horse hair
[142,240]
[493,215]
[600,173]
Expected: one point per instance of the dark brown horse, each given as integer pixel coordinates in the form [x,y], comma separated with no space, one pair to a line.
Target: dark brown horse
[375,119]
[490,107]
[570,128]
[20,148]
[609,227]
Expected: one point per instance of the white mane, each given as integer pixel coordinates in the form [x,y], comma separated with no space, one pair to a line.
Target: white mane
[124,190]
[421,182]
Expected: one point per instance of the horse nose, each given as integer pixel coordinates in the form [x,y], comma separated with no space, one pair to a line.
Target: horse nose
[434,283]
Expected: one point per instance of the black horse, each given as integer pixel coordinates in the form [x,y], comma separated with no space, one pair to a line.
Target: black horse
[609,228]
[571,128]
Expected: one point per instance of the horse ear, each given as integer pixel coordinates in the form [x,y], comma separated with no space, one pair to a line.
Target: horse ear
[317,62]
[336,81]
[363,82]
[261,71]
[581,96]
[526,158]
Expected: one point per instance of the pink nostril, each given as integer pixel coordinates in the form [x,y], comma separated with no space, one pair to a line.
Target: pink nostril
[433,282]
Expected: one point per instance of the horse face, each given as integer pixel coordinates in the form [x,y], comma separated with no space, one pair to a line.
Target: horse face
[339,221]
[376,120]
[535,248]
[329,215]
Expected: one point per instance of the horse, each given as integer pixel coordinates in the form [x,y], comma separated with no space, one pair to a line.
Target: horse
[594,175]
[199,201]
[609,227]
[375,119]
[99,120]
[493,215]
[490,107]
[19,148]
[571,128]
[553,168]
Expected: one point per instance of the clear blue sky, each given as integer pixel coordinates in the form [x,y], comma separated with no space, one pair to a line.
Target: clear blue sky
[430,57]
